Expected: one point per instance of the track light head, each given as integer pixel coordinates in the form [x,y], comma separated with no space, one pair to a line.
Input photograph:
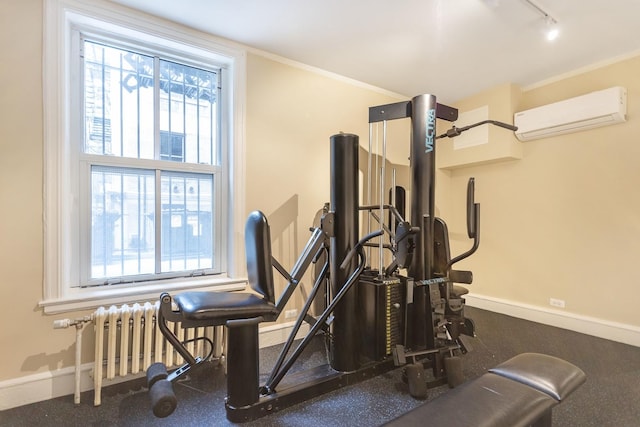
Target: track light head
[551,29]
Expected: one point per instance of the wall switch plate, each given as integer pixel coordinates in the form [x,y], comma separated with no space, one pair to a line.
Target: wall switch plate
[288,314]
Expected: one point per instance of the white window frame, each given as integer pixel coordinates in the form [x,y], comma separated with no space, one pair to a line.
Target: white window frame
[62,20]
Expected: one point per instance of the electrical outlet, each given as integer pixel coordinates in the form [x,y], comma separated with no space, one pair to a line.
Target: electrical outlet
[288,314]
[556,302]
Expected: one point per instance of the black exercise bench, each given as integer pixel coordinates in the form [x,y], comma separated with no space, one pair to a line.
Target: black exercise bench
[519,392]
[240,312]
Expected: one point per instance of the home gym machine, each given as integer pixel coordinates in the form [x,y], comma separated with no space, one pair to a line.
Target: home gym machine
[373,320]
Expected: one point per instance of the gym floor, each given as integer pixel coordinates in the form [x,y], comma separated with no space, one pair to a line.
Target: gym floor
[610,397]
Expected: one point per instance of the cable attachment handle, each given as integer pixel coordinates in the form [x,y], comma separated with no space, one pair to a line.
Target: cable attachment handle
[357,246]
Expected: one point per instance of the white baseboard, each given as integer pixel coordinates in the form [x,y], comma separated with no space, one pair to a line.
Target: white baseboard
[279,332]
[61,382]
[43,386]
[620,332]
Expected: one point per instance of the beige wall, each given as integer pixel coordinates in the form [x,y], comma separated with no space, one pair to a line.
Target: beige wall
[25,333]
[562,222]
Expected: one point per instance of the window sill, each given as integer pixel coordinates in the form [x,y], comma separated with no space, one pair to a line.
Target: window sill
[92,298]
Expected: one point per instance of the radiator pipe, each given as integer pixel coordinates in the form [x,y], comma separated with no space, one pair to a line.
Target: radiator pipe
[79,324]
[76,390]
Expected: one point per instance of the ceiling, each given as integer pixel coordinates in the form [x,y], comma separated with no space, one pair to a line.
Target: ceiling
[449,48]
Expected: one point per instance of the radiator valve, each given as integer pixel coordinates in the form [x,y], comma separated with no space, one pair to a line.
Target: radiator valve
[65,323]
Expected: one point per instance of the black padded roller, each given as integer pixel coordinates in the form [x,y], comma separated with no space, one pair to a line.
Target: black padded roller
[416,380]
[453,369]
[163,399]
[155,372]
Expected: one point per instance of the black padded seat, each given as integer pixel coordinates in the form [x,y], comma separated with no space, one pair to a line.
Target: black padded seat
[548,374]
[199,308]
[490,400]
[240,312]
[218,307]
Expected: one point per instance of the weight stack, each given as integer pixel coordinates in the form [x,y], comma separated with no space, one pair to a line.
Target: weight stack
[381,316]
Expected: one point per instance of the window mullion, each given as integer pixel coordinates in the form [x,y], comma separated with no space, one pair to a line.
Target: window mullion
[149,164]
[103,101]
[216,134]
[122,222]
[222,132]
[140,219]
[156,108]
[158,222]
[169,115]
[198,120]
[185,228]
[138,128]
[198,224]
[156,156]
[121,106]
[184,118]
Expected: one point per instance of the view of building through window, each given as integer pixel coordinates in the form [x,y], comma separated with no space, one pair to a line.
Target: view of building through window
[152,208]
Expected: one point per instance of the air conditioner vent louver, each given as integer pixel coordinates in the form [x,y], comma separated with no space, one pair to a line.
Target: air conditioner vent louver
[595,109]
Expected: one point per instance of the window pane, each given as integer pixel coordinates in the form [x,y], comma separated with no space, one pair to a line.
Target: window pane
[188,110]
[122,222]
[171,146]
[187,221]
[118,102]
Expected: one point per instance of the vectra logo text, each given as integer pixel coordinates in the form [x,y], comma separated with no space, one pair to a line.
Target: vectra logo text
[431,130]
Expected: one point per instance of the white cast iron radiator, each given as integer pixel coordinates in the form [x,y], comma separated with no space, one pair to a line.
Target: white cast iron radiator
[127,341]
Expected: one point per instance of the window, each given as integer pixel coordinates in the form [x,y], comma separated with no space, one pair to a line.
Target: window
[138,108]
[143,141]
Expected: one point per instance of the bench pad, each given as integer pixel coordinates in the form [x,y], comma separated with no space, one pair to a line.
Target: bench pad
[551,375]
[218,307]
[490,400]
[519,392]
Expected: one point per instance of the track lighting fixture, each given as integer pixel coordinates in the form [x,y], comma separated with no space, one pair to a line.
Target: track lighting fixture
[551,29]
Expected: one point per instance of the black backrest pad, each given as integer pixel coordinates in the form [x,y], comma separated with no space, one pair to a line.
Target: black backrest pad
[258,249]
[471,209]
[442,253]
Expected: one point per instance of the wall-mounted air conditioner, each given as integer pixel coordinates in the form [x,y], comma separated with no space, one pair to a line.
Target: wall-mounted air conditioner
[595,109]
